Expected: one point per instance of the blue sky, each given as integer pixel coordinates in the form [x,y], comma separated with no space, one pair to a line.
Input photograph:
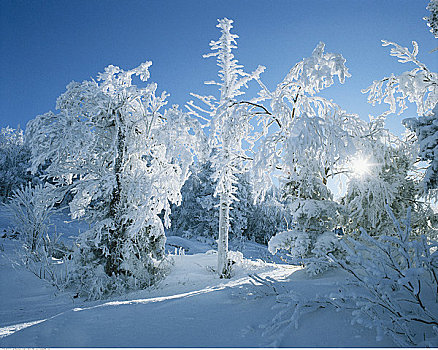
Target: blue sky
[46,44]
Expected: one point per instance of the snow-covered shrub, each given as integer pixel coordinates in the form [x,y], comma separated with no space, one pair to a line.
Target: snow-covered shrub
[392,287]
[327,243]
[296,243]
[394,284]
[298,248]
[30,209]
[14,161]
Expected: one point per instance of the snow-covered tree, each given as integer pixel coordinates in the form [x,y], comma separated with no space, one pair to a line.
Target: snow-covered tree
[14,161]
[307,125]
[313,139]
[198,215]
[432,19]
[124,161]
[314,217]
[230,129]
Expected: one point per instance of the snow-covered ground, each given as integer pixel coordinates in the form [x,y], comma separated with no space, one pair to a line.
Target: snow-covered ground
[192,307]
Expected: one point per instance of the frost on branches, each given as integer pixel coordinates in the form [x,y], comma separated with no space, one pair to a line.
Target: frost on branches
[419,86]
[30,209]
[307,125]
[114,150]
[432,19]
[394,286]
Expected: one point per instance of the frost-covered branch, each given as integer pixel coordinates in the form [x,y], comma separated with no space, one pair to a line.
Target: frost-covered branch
[419,86]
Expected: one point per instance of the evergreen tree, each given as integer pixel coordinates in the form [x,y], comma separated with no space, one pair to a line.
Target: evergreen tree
[197,215]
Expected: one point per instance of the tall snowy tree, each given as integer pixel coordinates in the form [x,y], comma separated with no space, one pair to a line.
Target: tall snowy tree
[230,129]
[125,162]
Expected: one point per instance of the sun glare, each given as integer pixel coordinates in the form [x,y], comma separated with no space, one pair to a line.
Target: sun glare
[360,166]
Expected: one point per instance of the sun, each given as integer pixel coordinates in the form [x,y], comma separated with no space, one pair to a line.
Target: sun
[360,166]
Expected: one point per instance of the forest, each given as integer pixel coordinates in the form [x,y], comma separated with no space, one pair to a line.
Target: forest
[287,171]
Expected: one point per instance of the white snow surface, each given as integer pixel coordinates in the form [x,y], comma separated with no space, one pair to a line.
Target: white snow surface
[192,307]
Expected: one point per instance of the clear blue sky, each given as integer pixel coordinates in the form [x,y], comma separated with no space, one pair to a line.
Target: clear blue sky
[47,44]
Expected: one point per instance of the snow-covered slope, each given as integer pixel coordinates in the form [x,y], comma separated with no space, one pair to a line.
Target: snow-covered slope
[192,307]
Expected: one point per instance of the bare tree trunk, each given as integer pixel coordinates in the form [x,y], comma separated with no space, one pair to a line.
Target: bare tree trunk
[224,223]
